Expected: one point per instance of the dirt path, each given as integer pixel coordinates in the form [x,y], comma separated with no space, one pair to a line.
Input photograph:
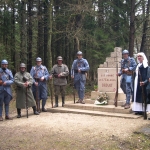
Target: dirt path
[57,131]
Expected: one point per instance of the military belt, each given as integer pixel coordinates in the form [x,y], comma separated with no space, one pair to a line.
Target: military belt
[38,79]
[56,76]
[76,71]
[129,73]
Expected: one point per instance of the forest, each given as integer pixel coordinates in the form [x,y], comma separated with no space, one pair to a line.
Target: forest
[49,28]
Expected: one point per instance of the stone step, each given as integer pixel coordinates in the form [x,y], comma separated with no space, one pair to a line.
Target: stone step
[110,102]
[102,108]
[94,113]
[111,95]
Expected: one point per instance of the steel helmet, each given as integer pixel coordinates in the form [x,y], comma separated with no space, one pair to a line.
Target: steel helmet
[38,59]
[125,52]
[79,53]
[4,62]
[22,65]
[59,58]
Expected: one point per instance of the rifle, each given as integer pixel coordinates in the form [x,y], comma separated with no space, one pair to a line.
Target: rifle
[37,98]
[143,98]
[116,94]
[74,93]
[27,101]
[25,80]
[51,92]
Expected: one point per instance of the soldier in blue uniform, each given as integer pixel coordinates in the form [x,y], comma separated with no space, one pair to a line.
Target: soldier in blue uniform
[40,76]
[6,79]
[128,66]
[78,72]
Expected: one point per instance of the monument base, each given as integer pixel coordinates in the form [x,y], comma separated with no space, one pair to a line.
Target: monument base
[111,95]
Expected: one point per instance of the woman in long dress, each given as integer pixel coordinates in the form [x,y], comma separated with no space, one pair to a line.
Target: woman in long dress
[140,72]
[148,90]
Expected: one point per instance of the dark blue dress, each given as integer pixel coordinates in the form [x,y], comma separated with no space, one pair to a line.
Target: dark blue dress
[138,99]
[143,72]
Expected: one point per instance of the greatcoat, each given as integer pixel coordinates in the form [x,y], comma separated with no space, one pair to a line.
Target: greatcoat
[22,91]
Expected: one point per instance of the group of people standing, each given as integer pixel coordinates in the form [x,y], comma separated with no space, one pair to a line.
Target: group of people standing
[135,82]
[32,86]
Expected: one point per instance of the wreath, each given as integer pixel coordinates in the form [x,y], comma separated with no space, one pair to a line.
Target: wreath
[102,99]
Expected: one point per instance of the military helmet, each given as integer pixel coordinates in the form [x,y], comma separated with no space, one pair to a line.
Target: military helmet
[38,59]
[59,58]
[79,53]
[4,62]
[125,52]
[22,65]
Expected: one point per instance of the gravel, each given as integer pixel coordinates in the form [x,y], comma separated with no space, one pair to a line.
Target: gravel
[61,127]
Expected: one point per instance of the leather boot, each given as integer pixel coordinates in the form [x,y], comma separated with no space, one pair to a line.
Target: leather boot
[38,107]
[1,118]
[63,101]
[8,117]
[19,113]
[43,105]
[56,102]
[34,110]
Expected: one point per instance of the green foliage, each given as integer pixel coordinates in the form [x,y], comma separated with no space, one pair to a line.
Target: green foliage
[95,27]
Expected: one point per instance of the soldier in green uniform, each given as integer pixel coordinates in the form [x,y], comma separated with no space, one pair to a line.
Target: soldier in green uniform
[59,72]
[24,81]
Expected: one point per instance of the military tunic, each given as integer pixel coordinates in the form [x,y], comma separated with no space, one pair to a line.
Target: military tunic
[5,90]
[80,77]
[21,90]
[127,79]
[37,72]
[60,82]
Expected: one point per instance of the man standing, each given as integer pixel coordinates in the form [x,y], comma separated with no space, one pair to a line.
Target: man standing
[128,66]
[6,79]
[40,76]
[24,98]
[59,71]
[78,72]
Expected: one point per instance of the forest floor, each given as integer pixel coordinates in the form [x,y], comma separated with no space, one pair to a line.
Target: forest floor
[58,131]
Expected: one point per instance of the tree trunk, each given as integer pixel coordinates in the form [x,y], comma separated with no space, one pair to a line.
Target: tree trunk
[145,28]
[45,32]
[40,31]
[29,40]
[132,28]
[50,46]
[23,52]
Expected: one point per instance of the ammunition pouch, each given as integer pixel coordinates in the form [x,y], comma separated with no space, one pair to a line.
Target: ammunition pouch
[129,72]
[1,82]
[38,80]
[82,72]
[25,79]
[56,76]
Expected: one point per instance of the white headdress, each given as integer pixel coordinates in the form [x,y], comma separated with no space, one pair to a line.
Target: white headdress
[145,61]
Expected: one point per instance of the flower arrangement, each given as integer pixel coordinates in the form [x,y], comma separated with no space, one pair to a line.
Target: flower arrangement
[96,87]
[102,99]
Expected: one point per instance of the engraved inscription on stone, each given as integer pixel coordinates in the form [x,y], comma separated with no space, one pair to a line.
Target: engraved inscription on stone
[107,72]
[107,79]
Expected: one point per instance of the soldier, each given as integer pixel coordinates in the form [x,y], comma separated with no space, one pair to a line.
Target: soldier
[78,72]
[24,81]
[6,79]
[59,71]
[40,76]
[128,66]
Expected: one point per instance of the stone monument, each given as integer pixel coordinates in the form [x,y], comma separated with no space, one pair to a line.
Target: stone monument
[107,76]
